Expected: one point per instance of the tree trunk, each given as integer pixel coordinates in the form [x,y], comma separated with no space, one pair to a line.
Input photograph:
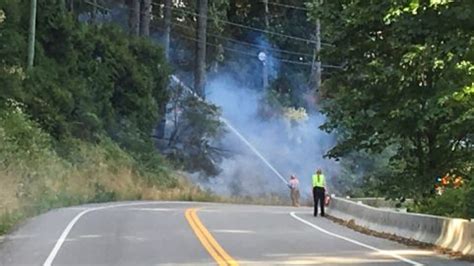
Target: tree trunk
[267,11]
[145,18]
[317,52]
[134,17]
[200,66]
[94,12]
[167,36]
[63,6]
[166,43]
[316,69]
[266,64]
[32,34]
[71,6]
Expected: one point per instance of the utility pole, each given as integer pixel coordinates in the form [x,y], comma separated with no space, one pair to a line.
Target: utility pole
[267,20]
[201,44]
[265,74]
[71,6]
[94,12]
[145,19]
[63,6]
[265,61]
[317,59]
[168,19]
[31,35]
[317,66]
[262,56]
[134,17]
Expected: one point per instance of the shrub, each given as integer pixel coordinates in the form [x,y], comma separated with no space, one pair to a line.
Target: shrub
[453,202]
[469,200]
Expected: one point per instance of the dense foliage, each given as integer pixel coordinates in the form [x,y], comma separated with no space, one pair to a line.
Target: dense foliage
[78,126]
[402,107]
[408,84]
[38,172]
[195,129]
[87,80]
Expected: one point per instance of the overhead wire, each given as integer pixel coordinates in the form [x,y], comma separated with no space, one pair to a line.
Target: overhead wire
[236,41]
[246,43]
[187,11]
[98,5]
[241,52]
[220,36]
[286,5]
[217,45]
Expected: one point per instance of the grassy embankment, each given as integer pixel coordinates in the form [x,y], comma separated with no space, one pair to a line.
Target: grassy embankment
[76,127]
[38,174]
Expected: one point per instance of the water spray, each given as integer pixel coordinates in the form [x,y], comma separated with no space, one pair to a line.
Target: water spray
[253,149]
[234,130]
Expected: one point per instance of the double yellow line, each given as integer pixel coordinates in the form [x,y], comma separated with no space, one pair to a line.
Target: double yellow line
[209,243]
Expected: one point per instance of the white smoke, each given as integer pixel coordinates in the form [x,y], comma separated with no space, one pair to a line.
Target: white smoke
[292,148]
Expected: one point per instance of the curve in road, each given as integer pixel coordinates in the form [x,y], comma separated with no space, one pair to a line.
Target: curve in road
[172,233]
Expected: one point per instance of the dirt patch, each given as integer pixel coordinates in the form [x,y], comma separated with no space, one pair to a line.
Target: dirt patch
[406,241]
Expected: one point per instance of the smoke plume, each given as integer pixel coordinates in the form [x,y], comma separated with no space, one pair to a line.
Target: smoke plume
[291,147]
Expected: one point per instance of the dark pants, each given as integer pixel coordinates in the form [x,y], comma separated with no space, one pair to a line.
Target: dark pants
[318,196]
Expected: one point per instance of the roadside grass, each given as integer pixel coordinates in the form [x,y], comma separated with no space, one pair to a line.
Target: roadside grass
[38,174]
[74,189]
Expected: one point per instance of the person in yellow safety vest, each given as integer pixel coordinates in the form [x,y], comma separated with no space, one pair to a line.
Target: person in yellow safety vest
[319,191]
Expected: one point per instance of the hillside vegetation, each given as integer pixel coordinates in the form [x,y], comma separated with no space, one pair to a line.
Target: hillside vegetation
[77,127]
[397,92]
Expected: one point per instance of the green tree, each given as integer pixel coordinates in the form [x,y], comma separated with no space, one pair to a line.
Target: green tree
[88,80]
[408,84]
[196,128]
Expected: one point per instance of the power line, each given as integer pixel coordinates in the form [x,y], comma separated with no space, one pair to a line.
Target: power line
[245,53]
[216,35]
[295,62]
[184,10]
[287,5]
[187,11]
[308,63]
[216,45]
[333,66]
[236,50]
[102,7]
[246,43]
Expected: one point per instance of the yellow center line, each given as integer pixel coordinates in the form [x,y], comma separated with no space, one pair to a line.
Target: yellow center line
[213,241]
[208,241]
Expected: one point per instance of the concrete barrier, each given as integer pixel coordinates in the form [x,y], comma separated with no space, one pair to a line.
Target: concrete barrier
[454,234]
[383,203]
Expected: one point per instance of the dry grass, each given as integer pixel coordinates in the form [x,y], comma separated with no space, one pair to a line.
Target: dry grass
[8,188]
[34,179]
[38,173]
[75,188]
[29,186]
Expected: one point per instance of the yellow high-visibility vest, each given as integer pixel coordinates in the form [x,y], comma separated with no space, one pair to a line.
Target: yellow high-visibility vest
[318,181]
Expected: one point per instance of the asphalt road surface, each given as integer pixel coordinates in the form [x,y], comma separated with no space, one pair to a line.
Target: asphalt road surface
[183,233]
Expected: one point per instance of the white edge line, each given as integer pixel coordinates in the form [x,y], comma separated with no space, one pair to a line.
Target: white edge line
[65,233]
[355,241]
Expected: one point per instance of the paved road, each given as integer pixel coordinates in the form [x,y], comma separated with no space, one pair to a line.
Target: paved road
[179,233]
